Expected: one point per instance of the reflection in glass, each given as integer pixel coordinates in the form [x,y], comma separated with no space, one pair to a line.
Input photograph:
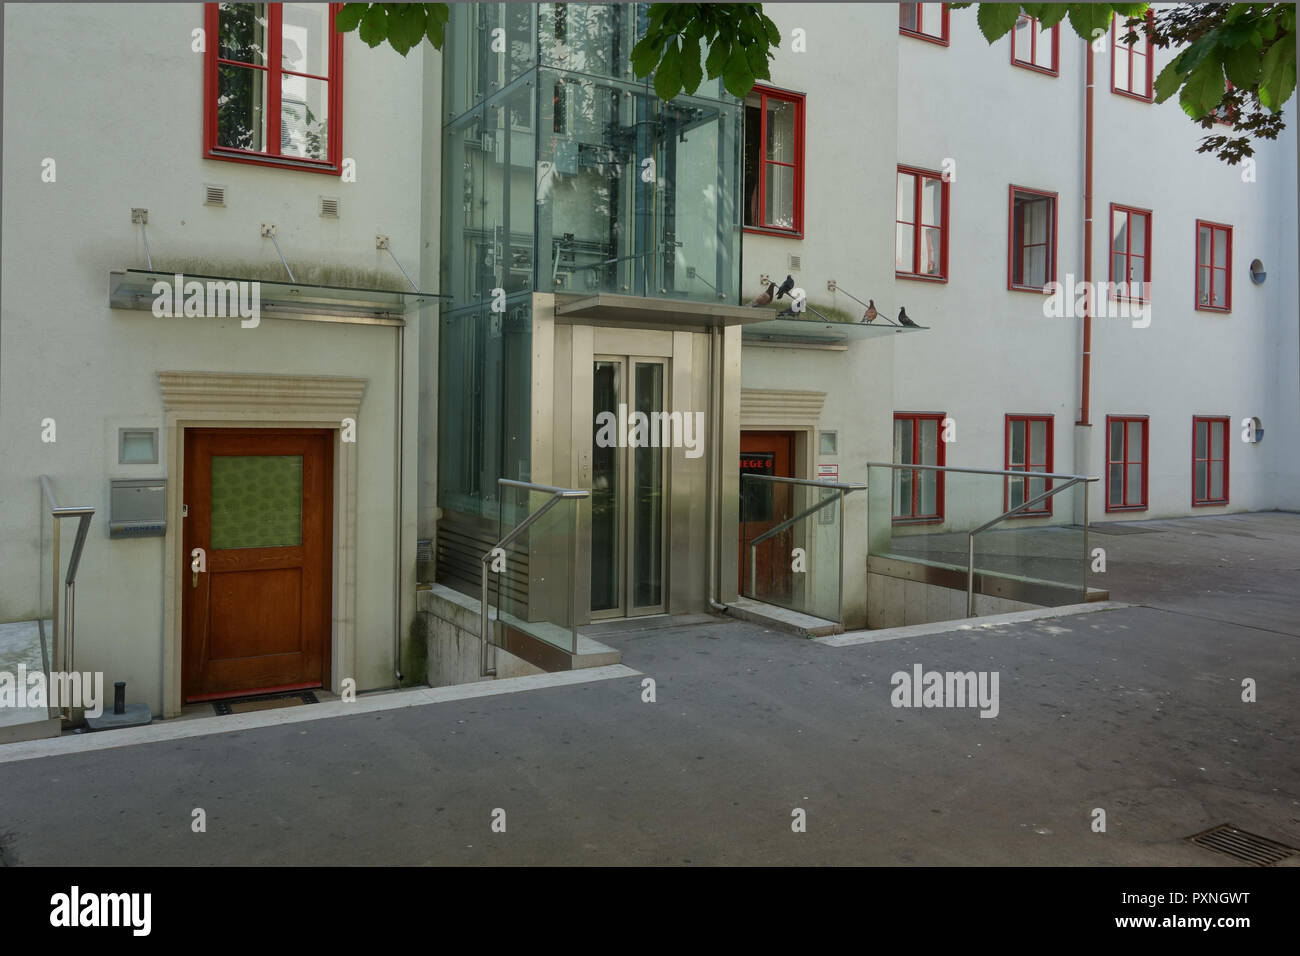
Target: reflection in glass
[647,477]
[605,537]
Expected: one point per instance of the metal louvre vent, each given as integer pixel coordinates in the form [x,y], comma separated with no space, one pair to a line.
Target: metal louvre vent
[329,207]
[796,263]
[1247,847]
[214,195]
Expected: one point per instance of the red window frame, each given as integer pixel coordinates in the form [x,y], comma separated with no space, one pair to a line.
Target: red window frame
[912,516]
[1125,459]
[1132,53]
[274,69]
[941,38]
[1035,38]
[1213,266]
[1129,212]
[1208,421]
[1014,250]
[1045,508]
[800,101]
[919,176]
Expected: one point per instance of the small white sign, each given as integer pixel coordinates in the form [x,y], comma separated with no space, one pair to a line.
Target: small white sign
[828,472]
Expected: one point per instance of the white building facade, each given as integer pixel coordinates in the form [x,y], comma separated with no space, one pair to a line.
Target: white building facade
[894,157]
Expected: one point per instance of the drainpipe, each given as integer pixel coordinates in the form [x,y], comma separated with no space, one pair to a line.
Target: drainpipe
[715,470]
[1086,356]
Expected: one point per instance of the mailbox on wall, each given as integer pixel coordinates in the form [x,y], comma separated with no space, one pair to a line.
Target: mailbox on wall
[137,507]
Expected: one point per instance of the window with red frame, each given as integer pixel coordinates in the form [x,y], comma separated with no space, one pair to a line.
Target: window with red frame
[1130,65]
[1035,49]
[925,21]
[1213,267]
[774,160]
[1028,449]
[918,493]
[273,85]
[1126,462]
[1032,240]
[1209,461]
[921,226]
[1130,252]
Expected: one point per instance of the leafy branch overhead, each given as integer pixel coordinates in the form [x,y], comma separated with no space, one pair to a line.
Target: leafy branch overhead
[1238,65]
[740,38]
[403,25]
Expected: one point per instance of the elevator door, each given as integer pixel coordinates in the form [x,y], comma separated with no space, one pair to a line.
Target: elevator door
[628,486]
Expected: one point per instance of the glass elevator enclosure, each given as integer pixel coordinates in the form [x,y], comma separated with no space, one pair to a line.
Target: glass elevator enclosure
[566,180]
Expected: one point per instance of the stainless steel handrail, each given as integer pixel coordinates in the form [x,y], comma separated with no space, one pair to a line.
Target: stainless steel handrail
[557,495]
[1070,482]
[64,661]
[843,487]
[975,471]
[970,537]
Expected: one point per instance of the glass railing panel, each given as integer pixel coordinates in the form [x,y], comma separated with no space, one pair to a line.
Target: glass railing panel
[927,517]
[531,581]
[791,547]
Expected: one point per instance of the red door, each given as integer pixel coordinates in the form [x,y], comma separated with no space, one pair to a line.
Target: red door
[763,505]
[259,504]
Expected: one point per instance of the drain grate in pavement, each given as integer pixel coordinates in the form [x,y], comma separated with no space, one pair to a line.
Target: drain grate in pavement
[1248,847]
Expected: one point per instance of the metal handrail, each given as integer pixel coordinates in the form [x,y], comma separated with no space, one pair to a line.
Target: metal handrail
[557,495]
[970,537]
[975,471]
[83,513]
[843,487]
[1070,482]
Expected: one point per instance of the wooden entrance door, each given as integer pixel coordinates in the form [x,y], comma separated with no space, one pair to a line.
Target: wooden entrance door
[260,505]
[763,505]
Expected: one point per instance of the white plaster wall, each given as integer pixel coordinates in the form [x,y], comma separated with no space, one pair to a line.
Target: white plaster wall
[849,74]
[992,352]
[114,94]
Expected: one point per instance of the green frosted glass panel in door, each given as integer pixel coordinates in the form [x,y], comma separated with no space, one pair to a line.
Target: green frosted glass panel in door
[256,501]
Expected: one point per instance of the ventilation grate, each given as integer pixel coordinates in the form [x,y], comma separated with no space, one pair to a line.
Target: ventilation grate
[796,263]
[1248,847]
[214,195]
[329,207]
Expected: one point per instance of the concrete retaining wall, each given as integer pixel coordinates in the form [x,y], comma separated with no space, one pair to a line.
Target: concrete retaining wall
[449,622]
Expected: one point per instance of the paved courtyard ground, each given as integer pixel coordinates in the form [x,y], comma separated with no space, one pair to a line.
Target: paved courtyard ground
[1136,711]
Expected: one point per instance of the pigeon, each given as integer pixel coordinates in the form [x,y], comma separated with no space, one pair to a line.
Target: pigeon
[786,286]
[765,298]
[871,313]
[904,320]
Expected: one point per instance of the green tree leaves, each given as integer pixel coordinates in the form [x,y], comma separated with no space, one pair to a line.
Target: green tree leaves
[1248,45]
[403,25]
[739,36]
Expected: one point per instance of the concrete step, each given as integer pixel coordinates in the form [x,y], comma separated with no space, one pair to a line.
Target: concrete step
[783,619]
[20,647]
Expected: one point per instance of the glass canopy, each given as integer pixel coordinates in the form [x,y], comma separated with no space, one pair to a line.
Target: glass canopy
[223,296]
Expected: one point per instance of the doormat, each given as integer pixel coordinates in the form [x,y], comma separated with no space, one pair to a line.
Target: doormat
[248,705]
